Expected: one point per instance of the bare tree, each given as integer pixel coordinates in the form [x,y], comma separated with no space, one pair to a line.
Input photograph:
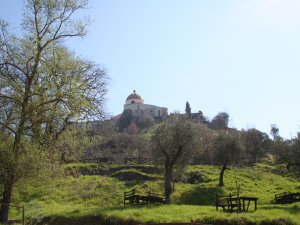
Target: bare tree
[44,86]
[172,143]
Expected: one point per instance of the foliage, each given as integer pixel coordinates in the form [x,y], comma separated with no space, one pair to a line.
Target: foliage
[43,85]
[172,143]
[255,143]
[125,120]
[288,152]
[70,145]
[295,160]
[220,121]
[6,156]
[227,151]
[188,109]
[275,132]
[175,139]
[204,152]
[227,148]
[117,146]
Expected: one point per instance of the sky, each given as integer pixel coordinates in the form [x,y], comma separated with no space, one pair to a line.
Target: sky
[239,57]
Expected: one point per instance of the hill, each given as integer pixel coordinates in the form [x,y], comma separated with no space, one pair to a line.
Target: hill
[93,194]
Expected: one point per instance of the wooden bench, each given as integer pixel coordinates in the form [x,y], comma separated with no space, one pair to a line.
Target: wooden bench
[153,198]
[287,197]
[226,202]
[132,198]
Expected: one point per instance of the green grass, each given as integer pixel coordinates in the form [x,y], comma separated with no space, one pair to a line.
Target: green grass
[253,182]
[206,214]
[267,214]
[68,196]
[95,199]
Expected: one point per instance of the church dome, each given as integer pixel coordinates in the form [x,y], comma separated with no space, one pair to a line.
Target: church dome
[134,98]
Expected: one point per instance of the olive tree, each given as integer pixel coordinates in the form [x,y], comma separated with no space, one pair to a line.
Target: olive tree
[125,120]
[294,164]
[254,142]
[288,152]
[220,121]
[172,143]
[43,85]
[227,151]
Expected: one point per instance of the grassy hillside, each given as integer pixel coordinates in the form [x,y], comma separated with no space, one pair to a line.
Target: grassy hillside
[93,194]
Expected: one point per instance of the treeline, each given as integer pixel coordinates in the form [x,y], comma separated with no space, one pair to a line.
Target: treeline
[181,140]
[217,143]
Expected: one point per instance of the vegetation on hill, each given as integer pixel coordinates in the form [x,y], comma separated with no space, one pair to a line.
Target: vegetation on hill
[98,199]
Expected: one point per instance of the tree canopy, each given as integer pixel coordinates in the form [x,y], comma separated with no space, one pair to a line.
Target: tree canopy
[43,85]
[227,151]
[172,143]
[220,121]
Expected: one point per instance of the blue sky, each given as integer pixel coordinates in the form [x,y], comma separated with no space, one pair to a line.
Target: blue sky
[241,57]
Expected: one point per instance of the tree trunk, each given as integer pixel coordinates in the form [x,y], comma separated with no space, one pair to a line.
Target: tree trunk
[221,182]
[168,185]
[288,166]
[8,185]
[7,192]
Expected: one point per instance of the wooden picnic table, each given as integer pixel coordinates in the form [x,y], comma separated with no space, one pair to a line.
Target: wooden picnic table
[132,198]
[244,202]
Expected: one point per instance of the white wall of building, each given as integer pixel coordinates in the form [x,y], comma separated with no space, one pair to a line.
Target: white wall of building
[146,111]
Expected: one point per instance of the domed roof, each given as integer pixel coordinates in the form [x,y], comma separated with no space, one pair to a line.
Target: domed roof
[134,96]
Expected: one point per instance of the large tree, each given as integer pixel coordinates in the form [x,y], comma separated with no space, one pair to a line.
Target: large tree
[172,143]
[294,164]
[125,120]
[227,152]
[288,152]
[44,86]
[220,121]
[254,142]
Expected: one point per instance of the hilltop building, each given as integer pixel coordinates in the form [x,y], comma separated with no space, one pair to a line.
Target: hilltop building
[141,111]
